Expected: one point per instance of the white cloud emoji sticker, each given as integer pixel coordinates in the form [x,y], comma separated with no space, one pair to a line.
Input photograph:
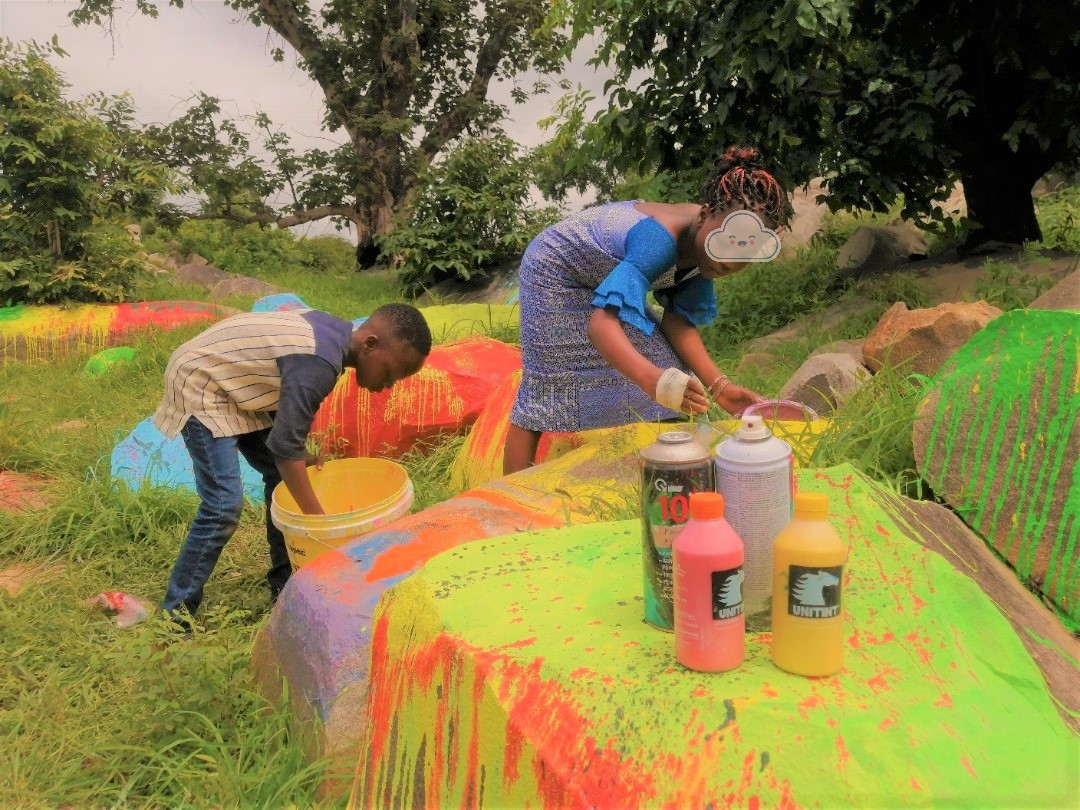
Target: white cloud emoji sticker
[742,238]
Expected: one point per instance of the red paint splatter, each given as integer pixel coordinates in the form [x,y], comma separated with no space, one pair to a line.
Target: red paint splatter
[967,765]
[945,701]
[915,785]
[842,751]
[886,724]
[881,530]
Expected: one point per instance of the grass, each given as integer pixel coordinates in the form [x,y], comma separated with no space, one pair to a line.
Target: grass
[91,715]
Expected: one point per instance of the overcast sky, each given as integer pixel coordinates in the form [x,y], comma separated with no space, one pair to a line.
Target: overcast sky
[204,46]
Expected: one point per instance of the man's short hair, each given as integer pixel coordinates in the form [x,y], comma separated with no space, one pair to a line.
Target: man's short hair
[406,324]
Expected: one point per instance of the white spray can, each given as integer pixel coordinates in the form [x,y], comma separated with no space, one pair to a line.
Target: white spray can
[755,474]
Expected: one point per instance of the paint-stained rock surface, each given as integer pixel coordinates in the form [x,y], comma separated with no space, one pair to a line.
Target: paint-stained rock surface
[40,334]
[319,634]
[999,438]
[446,396]
[480,459]
[517,672]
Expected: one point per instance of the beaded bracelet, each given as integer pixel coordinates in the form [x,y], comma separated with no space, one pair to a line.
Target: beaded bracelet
[724,383]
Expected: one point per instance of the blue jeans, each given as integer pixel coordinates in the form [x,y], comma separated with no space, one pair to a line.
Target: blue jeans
[221,488]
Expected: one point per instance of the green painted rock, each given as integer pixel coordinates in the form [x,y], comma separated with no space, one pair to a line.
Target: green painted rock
[101,362]
[517,672]
[999,439]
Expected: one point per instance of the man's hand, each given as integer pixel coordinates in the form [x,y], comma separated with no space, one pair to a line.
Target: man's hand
[315,459]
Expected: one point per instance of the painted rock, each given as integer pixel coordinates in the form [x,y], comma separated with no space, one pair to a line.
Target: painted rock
[517,672]
[999,439]
[39,334]
[445,396]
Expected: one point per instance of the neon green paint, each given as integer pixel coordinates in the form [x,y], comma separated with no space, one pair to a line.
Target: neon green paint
[922,715]
[1030,535]
[1007,360]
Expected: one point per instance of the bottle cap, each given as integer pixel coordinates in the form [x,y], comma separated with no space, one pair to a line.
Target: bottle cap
[706,505]
[752,428]
[810,505]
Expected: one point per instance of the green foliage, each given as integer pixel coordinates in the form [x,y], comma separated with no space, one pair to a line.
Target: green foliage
[872,431]
[472,214]
[321,270]
[401,82]
[71,172]
[1059,218]
[1007,287]
[882,100]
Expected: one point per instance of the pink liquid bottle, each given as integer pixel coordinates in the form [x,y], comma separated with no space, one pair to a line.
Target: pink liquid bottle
[707,560]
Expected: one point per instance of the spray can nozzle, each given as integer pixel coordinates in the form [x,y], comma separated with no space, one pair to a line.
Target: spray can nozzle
[752,428]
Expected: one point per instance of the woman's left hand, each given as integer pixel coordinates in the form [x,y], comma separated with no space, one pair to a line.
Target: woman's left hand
[735,399]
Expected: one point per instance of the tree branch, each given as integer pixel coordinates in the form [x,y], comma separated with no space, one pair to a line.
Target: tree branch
[282,16]
[311,215]
[453,121]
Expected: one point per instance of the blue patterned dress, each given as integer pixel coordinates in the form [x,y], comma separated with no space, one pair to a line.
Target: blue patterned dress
[606,256]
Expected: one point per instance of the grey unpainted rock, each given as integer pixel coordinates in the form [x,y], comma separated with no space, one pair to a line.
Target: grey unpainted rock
[829,318]
[195,258]
[201,275]
[1063,295]
[825,381]
[852,348]
[242,286]
[921,340]
[874,249]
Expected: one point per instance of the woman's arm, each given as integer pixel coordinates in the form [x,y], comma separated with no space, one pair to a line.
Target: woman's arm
[686,341]
[606,333]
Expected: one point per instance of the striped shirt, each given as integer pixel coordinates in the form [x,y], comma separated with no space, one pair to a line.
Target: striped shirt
[230,377]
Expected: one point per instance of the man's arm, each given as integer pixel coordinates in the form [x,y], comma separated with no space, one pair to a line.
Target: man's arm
[305,382]
[294,474]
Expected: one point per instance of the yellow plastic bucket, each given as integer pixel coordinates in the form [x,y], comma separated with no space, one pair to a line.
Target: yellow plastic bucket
[359,496]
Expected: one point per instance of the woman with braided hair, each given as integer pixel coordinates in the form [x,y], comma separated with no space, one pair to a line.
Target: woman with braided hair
[592,352]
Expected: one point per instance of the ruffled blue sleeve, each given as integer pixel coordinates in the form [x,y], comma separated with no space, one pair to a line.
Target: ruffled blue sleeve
[694,299]
[650,250]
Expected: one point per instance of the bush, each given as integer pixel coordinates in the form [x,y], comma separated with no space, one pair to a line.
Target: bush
[71,173]
[472,214]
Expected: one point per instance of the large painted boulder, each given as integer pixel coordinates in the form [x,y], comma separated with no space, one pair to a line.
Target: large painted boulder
[517,672]
[446,396]
[319,635]
[40,334]
[999,439]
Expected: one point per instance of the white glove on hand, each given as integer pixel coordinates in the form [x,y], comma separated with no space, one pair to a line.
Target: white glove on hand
[670,389]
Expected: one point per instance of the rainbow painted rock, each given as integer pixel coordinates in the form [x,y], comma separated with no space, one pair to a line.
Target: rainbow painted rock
[318,637]
[999,439]
[39,334]
[517,672]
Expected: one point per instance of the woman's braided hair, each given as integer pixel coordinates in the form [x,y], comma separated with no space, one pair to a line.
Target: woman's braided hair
[740,179]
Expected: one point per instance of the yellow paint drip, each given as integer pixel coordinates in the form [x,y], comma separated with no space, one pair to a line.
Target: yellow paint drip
[43,330]
[423,398]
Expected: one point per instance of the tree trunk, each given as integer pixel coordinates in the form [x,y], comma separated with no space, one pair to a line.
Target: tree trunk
[375,220]
[998,193]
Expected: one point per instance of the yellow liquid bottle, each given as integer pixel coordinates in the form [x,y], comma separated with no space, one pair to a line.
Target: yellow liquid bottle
[808,576]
